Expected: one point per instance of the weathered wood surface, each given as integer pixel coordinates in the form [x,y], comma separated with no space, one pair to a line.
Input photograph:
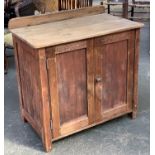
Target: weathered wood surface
[53,88]
[45,106]
[77,82]
[72,105]
[136,62]
[55,16]
[111,63]
[73,30]
[33,89]
[27,63]
[72,85]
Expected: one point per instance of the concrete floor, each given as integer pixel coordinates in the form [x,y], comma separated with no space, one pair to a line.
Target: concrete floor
[122,136]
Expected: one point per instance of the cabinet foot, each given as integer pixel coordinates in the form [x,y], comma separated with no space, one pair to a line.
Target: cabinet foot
[48,147]
[23,119]
[133,115]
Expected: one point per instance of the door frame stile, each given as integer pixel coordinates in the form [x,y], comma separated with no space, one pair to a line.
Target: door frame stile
[54,102]
[90,80]
[46,131]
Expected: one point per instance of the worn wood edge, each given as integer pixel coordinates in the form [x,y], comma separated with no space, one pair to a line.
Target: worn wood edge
[130,61]
[112,112]
[136,65]
[92,125]
[70,47]
[97,71]
[52,73]
[73,125]
[46,130]
[108,39]
[90,80]
[56,16]
[15,41]
[82,38]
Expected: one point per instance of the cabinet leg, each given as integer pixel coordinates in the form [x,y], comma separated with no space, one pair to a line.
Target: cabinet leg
[22,116]
[47,146]
[24,120]
[133,115]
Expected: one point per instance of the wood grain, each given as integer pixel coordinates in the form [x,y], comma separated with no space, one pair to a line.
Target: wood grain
[130,69]
[76,80]
[46,129]
[31,75]
[136,61]
[90,81]
[30,85]
[70,47]
[73,30]
[97,86]
[74,125]
[110,117]
[16,50]
[53,17]
[71,78]
[114,74]
[53,85]
[115,69]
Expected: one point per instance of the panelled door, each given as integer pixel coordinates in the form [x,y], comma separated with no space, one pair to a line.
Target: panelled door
[71,86]
[114,56]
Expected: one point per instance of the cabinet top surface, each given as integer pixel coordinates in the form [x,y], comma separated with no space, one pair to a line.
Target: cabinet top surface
[54,33]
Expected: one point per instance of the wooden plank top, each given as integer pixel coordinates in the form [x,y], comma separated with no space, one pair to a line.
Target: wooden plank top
[59,32]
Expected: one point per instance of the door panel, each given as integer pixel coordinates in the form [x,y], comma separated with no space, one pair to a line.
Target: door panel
[72,87]
[113,74]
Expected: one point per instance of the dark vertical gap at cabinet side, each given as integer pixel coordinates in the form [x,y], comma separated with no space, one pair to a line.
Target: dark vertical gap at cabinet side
[127,69]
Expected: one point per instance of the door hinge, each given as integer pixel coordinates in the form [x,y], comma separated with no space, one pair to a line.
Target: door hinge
[51,124]
[47,64]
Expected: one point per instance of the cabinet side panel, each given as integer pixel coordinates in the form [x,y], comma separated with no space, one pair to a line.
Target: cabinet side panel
[71,72]
[28,65]
[15,42]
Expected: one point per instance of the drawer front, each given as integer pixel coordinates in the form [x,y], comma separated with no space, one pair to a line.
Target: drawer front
[114,58]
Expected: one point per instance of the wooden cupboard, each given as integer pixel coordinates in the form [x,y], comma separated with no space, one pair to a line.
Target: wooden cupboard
[75,73]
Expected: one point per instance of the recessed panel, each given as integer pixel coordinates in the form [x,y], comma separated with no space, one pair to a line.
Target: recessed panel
[72,85]
[114,75]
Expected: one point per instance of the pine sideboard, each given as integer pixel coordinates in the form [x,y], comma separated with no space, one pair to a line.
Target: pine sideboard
[75,69]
